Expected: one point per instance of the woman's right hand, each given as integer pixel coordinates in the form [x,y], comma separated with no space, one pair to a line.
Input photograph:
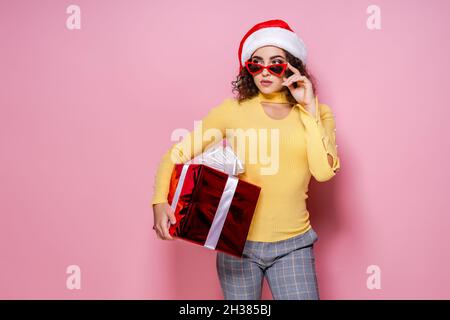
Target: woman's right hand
[163,215]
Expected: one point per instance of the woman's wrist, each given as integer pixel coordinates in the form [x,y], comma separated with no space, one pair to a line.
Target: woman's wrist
[311,108]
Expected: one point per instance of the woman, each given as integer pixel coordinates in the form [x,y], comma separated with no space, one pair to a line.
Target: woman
[276,94]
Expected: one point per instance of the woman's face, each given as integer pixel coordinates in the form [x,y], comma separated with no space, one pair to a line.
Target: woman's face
[268,55]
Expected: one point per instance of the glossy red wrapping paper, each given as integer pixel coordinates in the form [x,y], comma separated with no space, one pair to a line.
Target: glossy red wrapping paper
[197,204]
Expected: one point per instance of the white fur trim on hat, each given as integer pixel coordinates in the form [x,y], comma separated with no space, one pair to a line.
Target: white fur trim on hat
[274,36]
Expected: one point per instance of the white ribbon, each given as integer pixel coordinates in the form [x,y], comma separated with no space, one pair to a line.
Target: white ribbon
[222,158]
[221,213]
[176,196]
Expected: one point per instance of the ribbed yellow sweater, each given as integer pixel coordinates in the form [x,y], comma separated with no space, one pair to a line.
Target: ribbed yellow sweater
[288,152]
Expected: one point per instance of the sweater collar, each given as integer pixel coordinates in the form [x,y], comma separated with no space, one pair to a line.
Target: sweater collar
[274,97]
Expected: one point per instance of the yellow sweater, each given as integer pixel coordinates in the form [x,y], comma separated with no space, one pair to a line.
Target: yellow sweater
[288,152]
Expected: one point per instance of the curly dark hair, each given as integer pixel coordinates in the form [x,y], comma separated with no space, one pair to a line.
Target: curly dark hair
[246,88]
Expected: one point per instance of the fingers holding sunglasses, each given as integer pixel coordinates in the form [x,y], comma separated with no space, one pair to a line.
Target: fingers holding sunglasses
[293,78]
[293,69]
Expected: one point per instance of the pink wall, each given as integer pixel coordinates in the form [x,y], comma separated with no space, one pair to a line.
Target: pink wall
[85,116]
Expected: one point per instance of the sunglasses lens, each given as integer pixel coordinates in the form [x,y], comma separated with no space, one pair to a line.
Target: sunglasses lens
[253,68]
[276,69]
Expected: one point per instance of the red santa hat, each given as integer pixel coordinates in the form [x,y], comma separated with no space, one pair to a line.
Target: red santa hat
[272,32]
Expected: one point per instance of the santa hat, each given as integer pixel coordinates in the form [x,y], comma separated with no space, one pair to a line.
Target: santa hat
[272,32]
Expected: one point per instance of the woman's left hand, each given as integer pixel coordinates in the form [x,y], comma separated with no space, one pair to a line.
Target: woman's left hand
[304,92]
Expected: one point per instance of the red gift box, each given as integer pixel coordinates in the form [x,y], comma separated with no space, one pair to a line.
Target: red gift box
[212,209]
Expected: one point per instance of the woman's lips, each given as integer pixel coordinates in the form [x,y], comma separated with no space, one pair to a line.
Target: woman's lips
[266,83]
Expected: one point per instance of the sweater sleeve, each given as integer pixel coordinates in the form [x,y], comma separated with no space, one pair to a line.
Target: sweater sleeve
[210,129]
[321,141]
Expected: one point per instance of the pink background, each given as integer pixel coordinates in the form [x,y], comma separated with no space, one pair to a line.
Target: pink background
[86,115]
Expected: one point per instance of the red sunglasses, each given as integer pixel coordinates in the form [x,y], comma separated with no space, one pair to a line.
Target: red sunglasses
[275,69]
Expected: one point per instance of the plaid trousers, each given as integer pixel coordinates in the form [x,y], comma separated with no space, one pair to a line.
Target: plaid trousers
[288,265]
